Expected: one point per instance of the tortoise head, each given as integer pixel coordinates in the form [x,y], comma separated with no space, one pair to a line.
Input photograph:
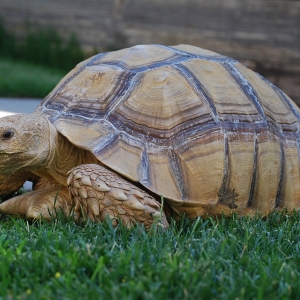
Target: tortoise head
[25,142]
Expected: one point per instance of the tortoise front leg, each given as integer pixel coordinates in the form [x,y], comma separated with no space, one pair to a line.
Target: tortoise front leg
[38,204]
[98,192]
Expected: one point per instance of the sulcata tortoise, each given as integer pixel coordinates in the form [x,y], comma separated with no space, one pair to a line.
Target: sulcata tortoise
[125,127]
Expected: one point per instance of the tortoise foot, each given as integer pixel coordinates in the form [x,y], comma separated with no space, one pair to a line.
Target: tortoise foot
[41,204]
[98,192]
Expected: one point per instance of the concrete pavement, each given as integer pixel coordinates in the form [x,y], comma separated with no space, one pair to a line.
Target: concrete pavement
[10,106]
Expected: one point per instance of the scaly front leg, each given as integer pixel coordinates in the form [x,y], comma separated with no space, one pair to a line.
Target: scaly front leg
[98,192]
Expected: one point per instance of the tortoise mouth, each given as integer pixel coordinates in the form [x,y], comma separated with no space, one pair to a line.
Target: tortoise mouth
[10,152]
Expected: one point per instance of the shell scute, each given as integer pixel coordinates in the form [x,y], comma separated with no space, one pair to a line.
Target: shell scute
[93,91]
[275,107]
[162,100]
[231,102]
[138,56]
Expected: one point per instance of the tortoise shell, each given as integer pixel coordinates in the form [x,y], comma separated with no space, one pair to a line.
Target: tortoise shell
[190,124]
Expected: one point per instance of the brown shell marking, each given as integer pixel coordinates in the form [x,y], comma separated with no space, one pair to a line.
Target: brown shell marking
[195,126]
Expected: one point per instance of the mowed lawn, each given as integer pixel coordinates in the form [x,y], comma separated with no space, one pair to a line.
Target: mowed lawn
[23,79]
[229,258]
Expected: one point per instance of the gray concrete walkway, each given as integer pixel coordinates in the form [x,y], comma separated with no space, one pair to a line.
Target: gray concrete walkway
[9,106]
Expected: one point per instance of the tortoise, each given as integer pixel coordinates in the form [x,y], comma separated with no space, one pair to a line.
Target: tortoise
[125,127]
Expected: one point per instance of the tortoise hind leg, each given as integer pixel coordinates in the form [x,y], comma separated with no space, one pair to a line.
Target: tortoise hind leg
[39,204]
[98,192]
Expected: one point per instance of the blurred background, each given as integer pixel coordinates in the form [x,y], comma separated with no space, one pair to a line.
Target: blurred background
[50,36]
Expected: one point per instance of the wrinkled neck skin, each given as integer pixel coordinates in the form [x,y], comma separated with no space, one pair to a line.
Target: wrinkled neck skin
[63,156]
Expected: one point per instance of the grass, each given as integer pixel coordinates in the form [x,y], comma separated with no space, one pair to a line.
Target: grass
[23,79]
[228,258]
[41,46]
[31,66]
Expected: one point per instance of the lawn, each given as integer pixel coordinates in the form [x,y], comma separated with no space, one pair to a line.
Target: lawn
[229,258]
[23,79]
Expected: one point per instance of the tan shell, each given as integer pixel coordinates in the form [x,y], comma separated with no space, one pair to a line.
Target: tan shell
[198,127]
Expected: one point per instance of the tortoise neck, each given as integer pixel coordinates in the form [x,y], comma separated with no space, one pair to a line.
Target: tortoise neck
[63,156]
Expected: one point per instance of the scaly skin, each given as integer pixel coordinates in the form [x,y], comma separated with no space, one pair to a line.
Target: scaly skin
[36,147]
[99,192]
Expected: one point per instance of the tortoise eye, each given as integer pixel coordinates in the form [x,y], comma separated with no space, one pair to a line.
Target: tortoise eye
[8,134]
